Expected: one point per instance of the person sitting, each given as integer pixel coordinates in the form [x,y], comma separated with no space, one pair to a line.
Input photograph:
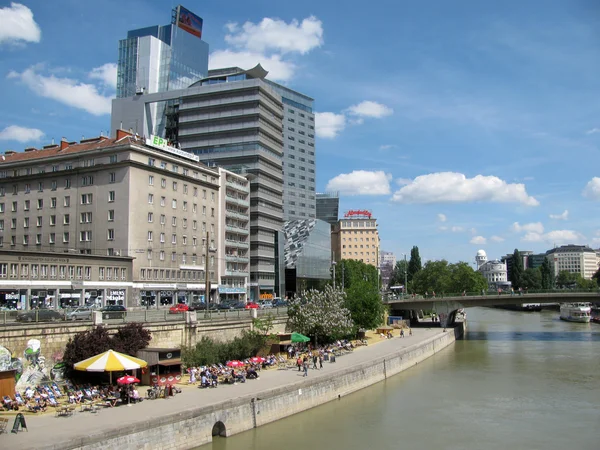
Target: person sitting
[204,380]
[240,377]
[29,393]
[10,404]
[43,405]
[33,406]
[251,374]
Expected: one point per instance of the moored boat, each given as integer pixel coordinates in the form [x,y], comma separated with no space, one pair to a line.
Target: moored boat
[595,314]
[575,312]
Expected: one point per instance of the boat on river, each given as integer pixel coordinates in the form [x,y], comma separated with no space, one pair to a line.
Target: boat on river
[575,312]
[595,314]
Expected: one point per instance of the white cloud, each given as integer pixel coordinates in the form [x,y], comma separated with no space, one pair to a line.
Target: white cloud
[65,90]
[403,181]
[279,70]
[479,240]
[442,217]
[473,231]
[556,237]
[593,131]
[17,24]
[361,182]
[107,74]
[277,35]
[386,146]
[370,109]
[21,134]
[592,189]
[328,125]
[443,228]
[563,216]
[452,187]
[457,229]
[497,239]
[535,227]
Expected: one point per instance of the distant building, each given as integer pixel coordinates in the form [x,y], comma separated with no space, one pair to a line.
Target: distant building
[579,259]
[387,262]
[307,254]
[494,271]
[356,237]
[530,260]
[328,207]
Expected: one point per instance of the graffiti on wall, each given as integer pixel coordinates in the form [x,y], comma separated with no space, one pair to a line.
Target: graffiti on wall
[32,368]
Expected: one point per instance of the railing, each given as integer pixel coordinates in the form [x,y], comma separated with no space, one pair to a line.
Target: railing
[539,293]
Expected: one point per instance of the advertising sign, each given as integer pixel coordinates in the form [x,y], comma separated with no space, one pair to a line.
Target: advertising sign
[359,213]
[188,21]
[162,144]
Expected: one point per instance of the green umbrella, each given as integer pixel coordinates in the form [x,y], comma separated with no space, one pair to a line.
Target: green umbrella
[297,337]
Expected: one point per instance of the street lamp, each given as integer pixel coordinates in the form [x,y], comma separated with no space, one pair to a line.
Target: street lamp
[333,263]
[405,273]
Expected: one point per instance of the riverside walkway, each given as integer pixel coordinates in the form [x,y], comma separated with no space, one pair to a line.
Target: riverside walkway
[49,432]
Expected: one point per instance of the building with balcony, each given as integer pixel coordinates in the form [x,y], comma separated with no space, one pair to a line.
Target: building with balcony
[121,197]
[328,207]
[356,237]
[387,263]
[307,254]
[234,227]
[579,259]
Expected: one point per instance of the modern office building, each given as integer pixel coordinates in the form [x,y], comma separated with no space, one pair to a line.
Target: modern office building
[356,237]
[579,259]
[115,199]
[494,271]
[328,207]
[387,263]
[234,239]
[162,58]
[530,260]
[234,122]
[307,254]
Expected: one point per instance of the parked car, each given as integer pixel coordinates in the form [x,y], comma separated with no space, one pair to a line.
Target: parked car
[279,303]
[80,313]
[252,305]
[225,306]
[179,308]
[113,312]
[41,315]
[197,307]
[266,304]
[238,305]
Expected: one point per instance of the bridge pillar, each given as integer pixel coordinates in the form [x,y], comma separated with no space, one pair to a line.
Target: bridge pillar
[446,311]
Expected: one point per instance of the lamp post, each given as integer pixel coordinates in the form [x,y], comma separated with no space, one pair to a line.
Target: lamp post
[378,271]
[405,273]
[333,263]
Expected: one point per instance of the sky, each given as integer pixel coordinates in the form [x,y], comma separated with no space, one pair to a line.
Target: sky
[460,125]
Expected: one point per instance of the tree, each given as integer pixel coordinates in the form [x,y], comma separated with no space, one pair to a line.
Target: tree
[431,278]
[532,279]
[463,278]
[596,277]
[547,276]
[320,314]
[443,278]
[566,279]
[517,269]
[365,305]
[414,265]
[397,277]
[264,325]
[131,338]
[349,272]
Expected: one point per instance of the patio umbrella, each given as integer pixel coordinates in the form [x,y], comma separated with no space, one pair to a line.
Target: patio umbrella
[297,337]
[110,361]
[127,379]
[234,363]
[257,359]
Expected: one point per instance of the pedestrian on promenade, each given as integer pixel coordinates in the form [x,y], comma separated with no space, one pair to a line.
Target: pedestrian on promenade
[299,363]
[320,360]
[512,292]
[314,358]
[305,366]
[401,332]
[433,294]
[410,331]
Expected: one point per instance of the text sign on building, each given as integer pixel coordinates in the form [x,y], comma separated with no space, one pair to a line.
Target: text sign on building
[188,21]
[358,213]
[162,144]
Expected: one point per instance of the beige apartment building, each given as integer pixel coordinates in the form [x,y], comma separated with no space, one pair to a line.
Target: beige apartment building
[356,237]
[117,197]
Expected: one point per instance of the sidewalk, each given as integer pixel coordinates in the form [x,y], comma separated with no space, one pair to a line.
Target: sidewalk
[48,431]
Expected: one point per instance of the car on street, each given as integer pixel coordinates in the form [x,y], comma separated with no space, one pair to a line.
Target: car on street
[40,315]
[267,304]
[113,312]
[279,303]
[224,306]
[238,305]
[252,305]
[179,308]
[80,313]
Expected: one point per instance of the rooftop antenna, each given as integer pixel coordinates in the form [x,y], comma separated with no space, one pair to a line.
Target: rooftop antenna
[101,133]
[52,141]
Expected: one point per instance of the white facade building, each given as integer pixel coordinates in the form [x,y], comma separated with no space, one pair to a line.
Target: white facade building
[579,259]
[494,271]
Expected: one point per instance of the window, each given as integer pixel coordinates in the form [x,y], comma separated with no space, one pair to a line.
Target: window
[111,235]
[14,207]
[195,191]
[162,201]
[79,272]
[184,240]
[111,196]
[111,215]
[194,241]
[87,180]
[212,196]
[53,220]
[67,202]
[54,185]
[174,221]
[26,222]
[185,206]
[150,180]
[162,238]
[27,188]
[194,208]
[101,273]
[203,210]
[52,238]
[44,271]
[1,207]
[150,217]
[66,219]
[162,219]
[113,158]
[185,188]
[39,221]
[161,255]
[163,182]
[26,239]
[175,185]
[53,202]
[150,236]
[68,183]
[173,239]
[1,225]
[151,198]
[86,199]
[174,203]
[151,162]
[184,222]
[85,236]
[25,206]
[38,239]
[149,254]
[112,177]
[173,256]
[204,194]
[212,212]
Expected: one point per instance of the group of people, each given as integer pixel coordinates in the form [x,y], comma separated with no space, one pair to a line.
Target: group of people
[211,376]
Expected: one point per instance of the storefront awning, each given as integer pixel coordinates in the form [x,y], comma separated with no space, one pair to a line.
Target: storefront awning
[170,362]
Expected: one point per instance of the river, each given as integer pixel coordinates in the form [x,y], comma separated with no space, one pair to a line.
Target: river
[518,380]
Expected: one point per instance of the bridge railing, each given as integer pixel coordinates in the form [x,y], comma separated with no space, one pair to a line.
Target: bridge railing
[441,295]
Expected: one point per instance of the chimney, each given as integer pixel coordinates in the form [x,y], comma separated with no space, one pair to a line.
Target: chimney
[64,143]
[9,152]
[122,134]
[30,149]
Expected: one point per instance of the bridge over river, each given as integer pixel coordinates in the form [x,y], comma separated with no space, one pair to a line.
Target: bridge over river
[447,306]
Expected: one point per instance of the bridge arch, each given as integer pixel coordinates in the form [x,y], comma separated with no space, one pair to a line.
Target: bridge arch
[219,429]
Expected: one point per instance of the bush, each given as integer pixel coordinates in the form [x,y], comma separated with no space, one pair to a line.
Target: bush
[207,351]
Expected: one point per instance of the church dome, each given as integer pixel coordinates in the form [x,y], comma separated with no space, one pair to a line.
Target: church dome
[481,253]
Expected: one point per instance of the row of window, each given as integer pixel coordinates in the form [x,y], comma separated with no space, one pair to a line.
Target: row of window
[173,274]
[34,271]
[175,185]
[84,236]
[361,246]
[55,167]
[86,199]
[184,205]
[311,153]
[185,171]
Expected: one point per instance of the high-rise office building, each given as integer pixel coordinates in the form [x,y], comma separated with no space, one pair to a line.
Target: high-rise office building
[328,207]
[356,237]
[162,58]
[234,122]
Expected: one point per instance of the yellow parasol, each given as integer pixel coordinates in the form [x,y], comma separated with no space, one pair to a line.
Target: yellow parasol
[110,361]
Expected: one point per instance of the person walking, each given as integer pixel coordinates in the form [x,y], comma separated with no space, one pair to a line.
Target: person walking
[320,360]
[410,331]
[314,358]
[305,366]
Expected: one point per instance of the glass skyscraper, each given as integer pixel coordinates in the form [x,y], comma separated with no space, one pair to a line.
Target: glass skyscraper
[162,58]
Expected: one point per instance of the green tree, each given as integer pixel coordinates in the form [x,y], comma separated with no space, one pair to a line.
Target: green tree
[532,279]
[582,283]
[547,276]
[264,325]
[85,345]
[463,277]
[596,277]
[320,314]
[566,279]
[349,272]
[131,338]
[365,305]
[397,278]
[433,277]
[414,265]
[517,269]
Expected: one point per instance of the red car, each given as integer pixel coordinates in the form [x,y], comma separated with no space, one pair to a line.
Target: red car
[252,305]
[179,308]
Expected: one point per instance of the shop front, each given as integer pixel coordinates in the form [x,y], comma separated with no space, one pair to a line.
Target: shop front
[11,299]
[115,297]
[231,294]
[266,293]
[164,366]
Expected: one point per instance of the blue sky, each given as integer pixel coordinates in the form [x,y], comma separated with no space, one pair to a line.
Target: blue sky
[460,125]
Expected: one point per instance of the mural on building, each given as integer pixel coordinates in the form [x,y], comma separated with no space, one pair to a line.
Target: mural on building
[31,369]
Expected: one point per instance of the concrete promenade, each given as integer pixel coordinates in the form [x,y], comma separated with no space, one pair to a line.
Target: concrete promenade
[50,432]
